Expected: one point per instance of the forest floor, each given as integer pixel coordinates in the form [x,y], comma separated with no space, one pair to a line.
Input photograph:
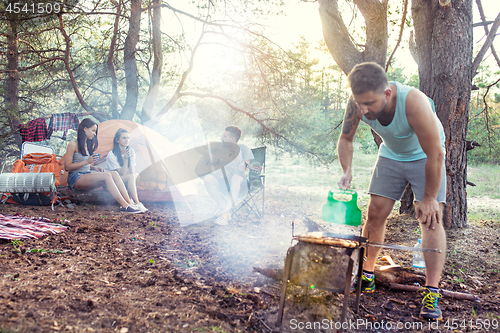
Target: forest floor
[146,273]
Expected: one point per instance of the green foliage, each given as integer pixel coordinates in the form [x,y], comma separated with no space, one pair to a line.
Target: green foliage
[16,244]
[484,128]
[44,250]
[486,176]
[396,74]
[299,105]
[283,96]
[484,119]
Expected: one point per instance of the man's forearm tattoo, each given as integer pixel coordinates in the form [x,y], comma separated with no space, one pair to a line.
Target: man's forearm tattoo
[350,114]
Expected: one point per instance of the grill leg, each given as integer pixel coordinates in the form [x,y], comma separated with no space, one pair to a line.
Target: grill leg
[286,276]
[347,290]
[360,272]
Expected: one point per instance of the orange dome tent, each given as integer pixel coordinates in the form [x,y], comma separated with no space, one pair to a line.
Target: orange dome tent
[149,147]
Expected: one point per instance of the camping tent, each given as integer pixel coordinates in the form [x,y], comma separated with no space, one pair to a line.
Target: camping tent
[149,147]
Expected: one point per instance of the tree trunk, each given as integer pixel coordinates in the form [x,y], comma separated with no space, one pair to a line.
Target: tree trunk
[12,89]
[407,206]
[339,42]
[149,102]
[113,108]
[67,55]
[130,62]
[443,35]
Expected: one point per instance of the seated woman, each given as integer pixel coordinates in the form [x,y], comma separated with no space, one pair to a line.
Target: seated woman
[78,163]
[122,159]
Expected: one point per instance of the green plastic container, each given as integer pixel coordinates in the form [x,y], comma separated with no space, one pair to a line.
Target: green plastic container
[342,212]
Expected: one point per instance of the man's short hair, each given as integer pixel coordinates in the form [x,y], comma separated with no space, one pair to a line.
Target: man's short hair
[235,132]
[367,76]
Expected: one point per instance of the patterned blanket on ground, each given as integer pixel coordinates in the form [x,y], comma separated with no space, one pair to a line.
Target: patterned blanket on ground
[23,227]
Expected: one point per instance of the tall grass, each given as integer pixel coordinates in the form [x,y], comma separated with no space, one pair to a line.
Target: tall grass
[487,180]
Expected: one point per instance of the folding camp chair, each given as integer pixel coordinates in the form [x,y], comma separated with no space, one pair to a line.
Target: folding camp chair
[256,188]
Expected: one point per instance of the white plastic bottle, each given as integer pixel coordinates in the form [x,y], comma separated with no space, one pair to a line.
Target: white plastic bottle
[418,256]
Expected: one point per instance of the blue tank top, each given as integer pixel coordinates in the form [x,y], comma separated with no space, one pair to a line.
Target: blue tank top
[400,141]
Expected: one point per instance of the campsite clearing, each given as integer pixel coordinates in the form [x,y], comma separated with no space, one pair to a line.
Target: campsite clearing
[144,273]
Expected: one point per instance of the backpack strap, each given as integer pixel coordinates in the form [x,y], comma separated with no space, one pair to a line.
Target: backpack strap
[39,200]
[7,196]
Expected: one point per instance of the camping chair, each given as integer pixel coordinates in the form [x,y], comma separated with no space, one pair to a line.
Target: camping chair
[31,147]
[256,188]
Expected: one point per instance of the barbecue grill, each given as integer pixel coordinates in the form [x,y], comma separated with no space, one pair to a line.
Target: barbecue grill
[331,261]
[327,261]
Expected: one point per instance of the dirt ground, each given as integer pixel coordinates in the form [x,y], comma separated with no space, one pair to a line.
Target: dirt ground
[147,273]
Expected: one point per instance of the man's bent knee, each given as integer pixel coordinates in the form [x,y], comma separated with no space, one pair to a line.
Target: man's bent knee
[379,208]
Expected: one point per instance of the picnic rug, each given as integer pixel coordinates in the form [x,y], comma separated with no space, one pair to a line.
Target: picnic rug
[23,227]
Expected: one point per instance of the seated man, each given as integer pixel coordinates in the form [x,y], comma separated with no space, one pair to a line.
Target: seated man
[236,177]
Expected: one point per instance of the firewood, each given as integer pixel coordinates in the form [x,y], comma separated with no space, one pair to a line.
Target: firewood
[445,293]
[276,274]
[402,276]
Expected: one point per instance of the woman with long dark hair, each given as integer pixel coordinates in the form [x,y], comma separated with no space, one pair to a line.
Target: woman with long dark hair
[122,160]
[79,162]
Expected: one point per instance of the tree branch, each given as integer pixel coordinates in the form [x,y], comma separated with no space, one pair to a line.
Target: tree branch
[486,29]
[157,53]
[67,40]
[251,116]
[413,47]
[176,94]
[488,129]
[471,144]
[110,62]
[403,21]
[337,38]
[375,15]
[488,42]
[482,23]
[22,69]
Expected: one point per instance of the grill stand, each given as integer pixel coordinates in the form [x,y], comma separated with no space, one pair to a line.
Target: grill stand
[347,289]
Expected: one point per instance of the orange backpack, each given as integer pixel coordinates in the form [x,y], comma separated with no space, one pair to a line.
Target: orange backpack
[39,162]
[35,163]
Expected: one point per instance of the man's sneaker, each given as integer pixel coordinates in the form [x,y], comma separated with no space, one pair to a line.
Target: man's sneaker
[130,209]
[430,307]
[367,284]
[141,207]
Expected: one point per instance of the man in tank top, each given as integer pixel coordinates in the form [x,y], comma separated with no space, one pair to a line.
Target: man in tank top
[412,152]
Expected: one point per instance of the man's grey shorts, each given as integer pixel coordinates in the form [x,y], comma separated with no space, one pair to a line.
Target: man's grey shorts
[390,178]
